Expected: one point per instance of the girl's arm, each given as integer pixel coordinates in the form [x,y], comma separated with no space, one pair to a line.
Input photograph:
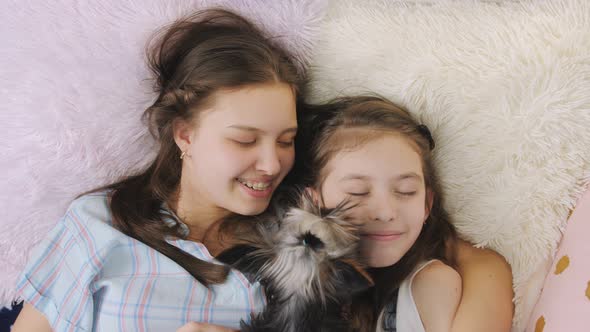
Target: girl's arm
[437,292]
[486,304]
[30,319]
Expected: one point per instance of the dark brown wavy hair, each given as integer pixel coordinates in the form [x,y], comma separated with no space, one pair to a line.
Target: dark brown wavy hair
[191,59]
[322,130]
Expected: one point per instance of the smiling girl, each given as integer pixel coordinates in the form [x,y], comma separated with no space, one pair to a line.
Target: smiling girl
[371,152]
[137,255]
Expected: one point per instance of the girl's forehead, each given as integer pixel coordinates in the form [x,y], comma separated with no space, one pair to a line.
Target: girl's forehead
[354,138]
[385,155]
[251,106]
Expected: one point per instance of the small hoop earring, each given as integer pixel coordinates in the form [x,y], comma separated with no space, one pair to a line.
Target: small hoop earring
[182,154]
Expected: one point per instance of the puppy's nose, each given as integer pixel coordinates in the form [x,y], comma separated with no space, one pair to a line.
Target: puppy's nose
[311,241]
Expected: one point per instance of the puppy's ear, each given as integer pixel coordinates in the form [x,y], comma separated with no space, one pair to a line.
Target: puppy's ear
[351,277]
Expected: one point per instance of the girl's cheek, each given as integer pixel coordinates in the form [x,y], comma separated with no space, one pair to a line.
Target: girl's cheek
[357,217]
[287,158]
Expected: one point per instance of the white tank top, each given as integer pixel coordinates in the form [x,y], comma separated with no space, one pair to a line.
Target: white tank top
[406,316]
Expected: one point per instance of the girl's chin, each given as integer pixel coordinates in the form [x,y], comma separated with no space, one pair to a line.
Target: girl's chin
[250,208]
[379,261]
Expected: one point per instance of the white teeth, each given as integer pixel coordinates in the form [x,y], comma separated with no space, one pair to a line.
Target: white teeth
[255,185]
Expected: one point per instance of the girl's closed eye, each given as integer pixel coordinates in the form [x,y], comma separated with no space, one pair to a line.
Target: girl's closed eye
[245,143]
[243,140]
[358,193]
[287,140]
[287,143]
[356,188]
[406,188]
[406,193]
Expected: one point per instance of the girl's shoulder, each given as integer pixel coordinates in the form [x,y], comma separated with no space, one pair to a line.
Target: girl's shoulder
[485,275]
[92,206]
[89,218]
[475,261]
[484,272]
[436,290]
[429,277]
[64,265]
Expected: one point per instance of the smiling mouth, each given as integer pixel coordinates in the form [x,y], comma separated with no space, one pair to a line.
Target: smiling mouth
[383,237]
[254,185]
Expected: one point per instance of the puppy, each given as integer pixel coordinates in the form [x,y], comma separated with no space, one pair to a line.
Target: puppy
[306,258]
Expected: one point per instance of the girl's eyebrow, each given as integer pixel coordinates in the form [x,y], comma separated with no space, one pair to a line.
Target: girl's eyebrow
[404,176]
[409,175]
[354,177]
[253,129]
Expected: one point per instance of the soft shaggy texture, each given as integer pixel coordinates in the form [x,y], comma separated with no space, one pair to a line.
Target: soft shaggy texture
[73,85]
[505,89]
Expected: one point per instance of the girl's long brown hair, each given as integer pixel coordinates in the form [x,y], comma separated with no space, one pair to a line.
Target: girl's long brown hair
[321,127]
[191,59]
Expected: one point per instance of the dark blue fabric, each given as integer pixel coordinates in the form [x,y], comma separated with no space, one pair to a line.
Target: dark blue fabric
[389,323]
[389,317]
[8,316]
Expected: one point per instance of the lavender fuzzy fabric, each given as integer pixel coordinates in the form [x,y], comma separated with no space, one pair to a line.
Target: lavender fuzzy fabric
[73,86]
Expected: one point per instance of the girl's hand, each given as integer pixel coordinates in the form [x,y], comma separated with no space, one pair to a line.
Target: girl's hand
[203,327]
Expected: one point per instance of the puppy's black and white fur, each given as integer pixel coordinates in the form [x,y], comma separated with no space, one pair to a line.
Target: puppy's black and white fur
[307,260]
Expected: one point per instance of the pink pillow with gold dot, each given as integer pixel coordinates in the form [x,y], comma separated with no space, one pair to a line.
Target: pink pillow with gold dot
[564,304]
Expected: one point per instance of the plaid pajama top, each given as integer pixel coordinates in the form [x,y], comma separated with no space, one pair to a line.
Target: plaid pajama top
[88,276]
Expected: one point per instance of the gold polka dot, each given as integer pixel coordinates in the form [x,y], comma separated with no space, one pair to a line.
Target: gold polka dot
[563,263]
[540,324]
[588,291]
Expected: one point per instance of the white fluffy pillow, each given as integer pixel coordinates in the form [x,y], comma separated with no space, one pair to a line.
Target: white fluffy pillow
[505,88]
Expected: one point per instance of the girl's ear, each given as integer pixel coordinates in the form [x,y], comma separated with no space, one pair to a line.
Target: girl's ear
[429,202]
[183,134]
